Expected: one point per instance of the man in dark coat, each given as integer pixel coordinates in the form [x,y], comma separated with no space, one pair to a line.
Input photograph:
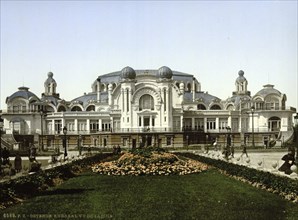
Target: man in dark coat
[5,156]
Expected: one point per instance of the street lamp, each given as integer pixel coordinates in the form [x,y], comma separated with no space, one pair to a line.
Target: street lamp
[42,115]
[1,126]
[296,136]
[252,121]
[187,142]
[64,141]
[79,144]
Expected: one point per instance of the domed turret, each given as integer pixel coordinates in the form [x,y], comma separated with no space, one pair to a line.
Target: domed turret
[50,79]
[128,73]
[50,85]
[241,77]
[165,72]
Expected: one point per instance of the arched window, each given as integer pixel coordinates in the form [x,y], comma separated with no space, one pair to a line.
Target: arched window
[76,109]
[49,108]
[102,87]
[201,107]
[90,108]
[61,108]
[230,107]
[215,107]
[188,87]
[146,102]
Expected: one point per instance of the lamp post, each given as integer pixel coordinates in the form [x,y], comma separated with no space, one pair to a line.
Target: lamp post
[187,142]
[296,137]
[252,122]
[1,126]
[64,142]
[79,144]
[42,115]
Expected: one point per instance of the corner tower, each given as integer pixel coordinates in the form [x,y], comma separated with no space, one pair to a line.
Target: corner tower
[50,86]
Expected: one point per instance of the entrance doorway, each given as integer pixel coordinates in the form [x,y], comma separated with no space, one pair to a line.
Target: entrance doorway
[134,143]
[147,140]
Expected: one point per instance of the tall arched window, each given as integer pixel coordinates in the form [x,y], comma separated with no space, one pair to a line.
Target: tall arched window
[188,87]
[146,102]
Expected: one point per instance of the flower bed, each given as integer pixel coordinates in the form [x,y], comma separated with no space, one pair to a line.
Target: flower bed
[153,163]
[284,186]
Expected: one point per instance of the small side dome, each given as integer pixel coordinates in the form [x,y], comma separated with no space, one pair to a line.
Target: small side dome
[128,73]
[268,90]
[241,77]
[165,72]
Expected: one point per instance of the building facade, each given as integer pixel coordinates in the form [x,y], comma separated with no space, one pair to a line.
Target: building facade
[136,108]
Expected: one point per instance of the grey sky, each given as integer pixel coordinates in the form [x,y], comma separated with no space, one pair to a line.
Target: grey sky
[79,40]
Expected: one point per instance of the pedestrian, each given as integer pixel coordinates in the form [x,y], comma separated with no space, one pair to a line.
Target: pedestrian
[229,140]
[5,156]
[18,163]
[232,151]
[114,149]
[289,161]
[118,149]
[244,151]
[215,145]
[32,153]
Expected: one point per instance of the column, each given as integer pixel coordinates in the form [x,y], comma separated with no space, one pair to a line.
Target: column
[168,108]
[193,90]
[53,126]
[88,126]
[125,100]
[63,124]
[129,100]
[76,126]
[122,94]
[217,123]
[99,124]
[98,91]
[205,124]
[230,122]
[181,122]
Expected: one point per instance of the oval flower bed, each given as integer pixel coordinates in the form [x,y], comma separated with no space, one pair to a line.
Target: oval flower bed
[155,164]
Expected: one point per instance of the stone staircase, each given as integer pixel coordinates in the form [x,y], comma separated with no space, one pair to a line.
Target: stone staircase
[8,141]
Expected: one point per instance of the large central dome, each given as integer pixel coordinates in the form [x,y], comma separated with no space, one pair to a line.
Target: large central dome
[128,73]
[165,72]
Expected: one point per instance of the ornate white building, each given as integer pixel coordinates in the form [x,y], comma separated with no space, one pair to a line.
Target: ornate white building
[148,107]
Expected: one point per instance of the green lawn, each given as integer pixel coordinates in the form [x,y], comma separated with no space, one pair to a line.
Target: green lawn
[208,195]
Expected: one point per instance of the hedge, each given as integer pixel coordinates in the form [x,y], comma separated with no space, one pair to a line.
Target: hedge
[269,180]
[16,190]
